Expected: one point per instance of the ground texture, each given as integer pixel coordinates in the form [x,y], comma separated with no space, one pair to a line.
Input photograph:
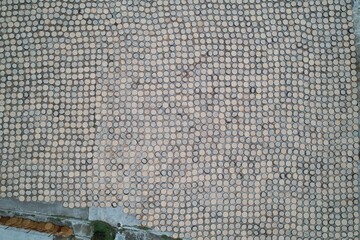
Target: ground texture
[210,120]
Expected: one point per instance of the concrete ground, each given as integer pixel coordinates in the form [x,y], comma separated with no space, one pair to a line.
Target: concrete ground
[80,219]
[20,234]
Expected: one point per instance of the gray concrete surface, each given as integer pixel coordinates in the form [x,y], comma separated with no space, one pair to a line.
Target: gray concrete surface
[78,218]
[113,216]
[9,233]
[43,208]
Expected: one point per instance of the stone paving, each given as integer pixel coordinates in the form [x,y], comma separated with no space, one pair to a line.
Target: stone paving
[208,119]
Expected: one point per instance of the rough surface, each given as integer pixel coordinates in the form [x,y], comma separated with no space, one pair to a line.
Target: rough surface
[211,120]
[43,208]
[18,234]
[47,87]
[113,216]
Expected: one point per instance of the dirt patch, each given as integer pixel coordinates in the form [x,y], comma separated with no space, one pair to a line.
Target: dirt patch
[47,227]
